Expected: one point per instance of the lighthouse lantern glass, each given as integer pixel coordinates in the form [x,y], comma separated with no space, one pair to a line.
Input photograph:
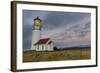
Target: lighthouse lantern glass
[37,22]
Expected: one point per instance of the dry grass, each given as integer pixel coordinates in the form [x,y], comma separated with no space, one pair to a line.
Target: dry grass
[73,54]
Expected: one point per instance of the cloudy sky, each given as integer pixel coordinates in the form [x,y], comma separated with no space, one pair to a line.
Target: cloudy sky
[66,29]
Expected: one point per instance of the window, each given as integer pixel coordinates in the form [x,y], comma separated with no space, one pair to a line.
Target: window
[37,47]
[42,47]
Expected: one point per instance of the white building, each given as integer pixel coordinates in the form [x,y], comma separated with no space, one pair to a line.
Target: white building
[44,45]
[39,44]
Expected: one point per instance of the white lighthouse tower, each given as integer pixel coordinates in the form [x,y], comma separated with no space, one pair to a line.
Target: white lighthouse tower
[36,32]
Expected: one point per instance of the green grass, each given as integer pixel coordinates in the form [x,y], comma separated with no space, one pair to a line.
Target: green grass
[73,54]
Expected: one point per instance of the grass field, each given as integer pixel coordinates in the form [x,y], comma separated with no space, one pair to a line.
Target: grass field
[70,54]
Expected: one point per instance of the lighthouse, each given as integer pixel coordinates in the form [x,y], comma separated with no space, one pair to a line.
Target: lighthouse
[39,43]
[36,31]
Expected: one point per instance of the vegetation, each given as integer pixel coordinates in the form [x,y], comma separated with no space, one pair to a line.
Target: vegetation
[57,55]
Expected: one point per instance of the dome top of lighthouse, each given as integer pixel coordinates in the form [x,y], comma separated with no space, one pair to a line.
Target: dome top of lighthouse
[37,18]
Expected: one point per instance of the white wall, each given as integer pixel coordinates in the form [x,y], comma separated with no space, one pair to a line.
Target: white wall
[5,38]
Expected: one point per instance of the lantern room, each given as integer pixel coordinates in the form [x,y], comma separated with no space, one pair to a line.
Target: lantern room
[37,21]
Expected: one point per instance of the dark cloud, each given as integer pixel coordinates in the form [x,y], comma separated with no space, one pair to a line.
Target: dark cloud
[56,24]
[27,29]
[27,33]
[54,20]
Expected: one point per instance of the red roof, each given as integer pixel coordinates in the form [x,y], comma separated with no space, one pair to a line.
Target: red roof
[43,41]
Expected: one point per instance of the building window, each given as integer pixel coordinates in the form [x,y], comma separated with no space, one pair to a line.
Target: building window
[37,47]
[42,47]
